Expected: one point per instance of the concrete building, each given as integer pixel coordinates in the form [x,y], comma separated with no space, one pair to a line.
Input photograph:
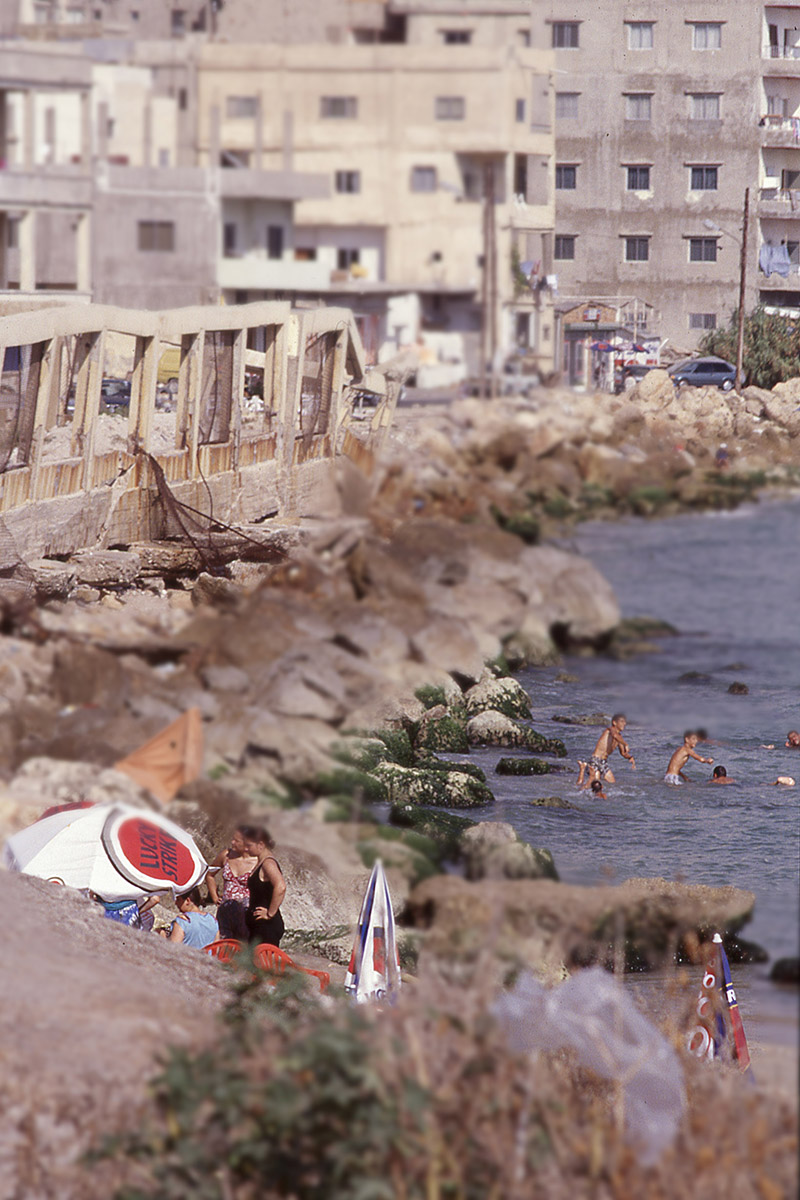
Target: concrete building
[657,138]
[778,201]
[410,141]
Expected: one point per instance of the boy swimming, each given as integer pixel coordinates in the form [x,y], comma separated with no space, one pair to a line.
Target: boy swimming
[680,757]
[610,739]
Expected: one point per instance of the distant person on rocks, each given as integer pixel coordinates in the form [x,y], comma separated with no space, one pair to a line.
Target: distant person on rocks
[267,888]
[721,458]
[237,866]
[720,775]
[610,740]
[194,926]
[680,757]
[597,789]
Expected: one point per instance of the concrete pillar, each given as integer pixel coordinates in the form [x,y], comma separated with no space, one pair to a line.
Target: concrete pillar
[213,136]
[147,135]
[29,131]
[3,128]
[26,227]
[102,130]
[258,135]
[288,141]
[86,130]
[83,252]
[3,250]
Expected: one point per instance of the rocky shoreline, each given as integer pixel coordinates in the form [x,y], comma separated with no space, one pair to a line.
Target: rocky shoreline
[335,670]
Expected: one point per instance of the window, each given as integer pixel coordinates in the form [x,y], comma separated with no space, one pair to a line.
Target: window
[74,16]
[274,241]
[703,249]
[566,104]
[566,177]
[565,35]
[523,37]
[637,106]
[12,233]
[704,179]
[777,106]
[234,158]
[134,14]
[449,108]
[640,35]
[183,99]
[348,181]
[163,157]
[637,249]
[305,254]
[704,106]
[423,179]
[519,110]
[638,179]
[229,239]
[346,256]
[339,107]
[456,37]
[241,106]
[157,235]
[702,320]
[706,35]
[564,246]
[178,22]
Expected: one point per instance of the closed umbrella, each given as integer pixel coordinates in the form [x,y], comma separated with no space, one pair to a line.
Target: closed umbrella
[116,851]
[374,970]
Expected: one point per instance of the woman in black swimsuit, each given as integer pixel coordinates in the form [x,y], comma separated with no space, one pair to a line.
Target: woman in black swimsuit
[267,888]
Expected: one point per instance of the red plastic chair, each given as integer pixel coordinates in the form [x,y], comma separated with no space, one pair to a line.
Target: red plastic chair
[225,949]
[277,961]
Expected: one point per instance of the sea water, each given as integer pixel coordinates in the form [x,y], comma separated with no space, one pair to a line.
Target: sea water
[730,585]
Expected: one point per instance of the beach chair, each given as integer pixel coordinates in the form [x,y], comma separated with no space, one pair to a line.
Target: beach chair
[277,962]
[225,949]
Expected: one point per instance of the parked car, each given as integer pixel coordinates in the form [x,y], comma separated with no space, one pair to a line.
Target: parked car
[115,395]
[628,376]
[704,372]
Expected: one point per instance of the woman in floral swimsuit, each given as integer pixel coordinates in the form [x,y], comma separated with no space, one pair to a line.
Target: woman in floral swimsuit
[237,866]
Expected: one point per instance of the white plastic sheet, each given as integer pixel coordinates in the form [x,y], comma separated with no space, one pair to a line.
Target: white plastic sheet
[596,1017]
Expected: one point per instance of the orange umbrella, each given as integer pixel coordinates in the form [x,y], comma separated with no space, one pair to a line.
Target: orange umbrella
[170,759]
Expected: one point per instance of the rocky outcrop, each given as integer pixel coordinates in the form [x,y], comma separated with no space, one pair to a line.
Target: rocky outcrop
[494,729]
[643,923]
[492,850]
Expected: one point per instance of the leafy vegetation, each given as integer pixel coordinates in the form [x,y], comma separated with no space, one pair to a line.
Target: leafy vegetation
[771,346]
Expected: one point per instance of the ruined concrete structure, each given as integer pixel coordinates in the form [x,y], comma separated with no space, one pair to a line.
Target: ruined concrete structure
[72,477]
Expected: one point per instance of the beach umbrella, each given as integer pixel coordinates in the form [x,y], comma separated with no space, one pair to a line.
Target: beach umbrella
[374,970]
[717,1012]
[170,759]
[116,851]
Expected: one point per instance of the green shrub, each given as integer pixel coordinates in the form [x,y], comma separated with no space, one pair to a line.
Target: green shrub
[430,696]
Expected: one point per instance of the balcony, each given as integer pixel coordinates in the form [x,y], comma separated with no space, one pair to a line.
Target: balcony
[252,184]
[252,272]
[780,132]
[779,202]
[45,187]
[781,60]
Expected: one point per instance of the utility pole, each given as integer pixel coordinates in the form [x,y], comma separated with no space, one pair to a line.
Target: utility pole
[489,285]
[742,283]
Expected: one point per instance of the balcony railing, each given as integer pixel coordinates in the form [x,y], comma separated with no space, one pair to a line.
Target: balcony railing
[788,197]
[781,52]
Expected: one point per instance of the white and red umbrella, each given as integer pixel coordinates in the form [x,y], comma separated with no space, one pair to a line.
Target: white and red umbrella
[116,851]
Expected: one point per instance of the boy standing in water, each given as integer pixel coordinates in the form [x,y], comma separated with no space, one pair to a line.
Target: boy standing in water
[680,758]
[610,740]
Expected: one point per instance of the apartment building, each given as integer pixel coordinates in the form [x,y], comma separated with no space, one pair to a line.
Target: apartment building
[416,145]
[778,199]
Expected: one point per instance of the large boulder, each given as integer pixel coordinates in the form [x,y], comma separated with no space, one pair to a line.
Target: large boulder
[494,729]
[435,787]
[504,695]
[642,922]
[492,850]
[782,405]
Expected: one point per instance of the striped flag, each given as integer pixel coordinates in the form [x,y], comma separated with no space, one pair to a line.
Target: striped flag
[717,1013]
[374,970]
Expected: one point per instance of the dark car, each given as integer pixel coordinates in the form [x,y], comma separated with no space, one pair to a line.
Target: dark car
[704,372]
[115,395]
[628,376]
